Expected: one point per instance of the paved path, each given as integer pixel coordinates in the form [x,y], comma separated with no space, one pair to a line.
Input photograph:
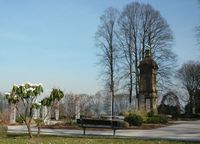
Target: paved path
[188,131]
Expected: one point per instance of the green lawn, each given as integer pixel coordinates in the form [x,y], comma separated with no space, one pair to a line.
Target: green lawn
[80,140]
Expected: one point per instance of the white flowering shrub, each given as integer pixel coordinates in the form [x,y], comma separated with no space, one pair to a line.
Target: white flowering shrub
[27,95]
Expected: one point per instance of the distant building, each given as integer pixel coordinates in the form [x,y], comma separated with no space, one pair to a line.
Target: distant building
[3,103]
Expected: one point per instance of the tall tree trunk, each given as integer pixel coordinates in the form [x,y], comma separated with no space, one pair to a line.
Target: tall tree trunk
[192,101]
[130,71]
[136,71]
[29,130]
[112,80]
[106,40]
[193,105]
[113,99]
[39,128]
[131,87]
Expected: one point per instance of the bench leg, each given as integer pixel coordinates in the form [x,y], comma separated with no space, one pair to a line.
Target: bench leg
[83,131]
[114,132]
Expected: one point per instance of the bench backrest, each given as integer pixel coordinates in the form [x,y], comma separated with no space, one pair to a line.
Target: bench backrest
[113,123]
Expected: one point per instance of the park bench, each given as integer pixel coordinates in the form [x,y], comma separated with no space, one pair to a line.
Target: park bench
[99,123]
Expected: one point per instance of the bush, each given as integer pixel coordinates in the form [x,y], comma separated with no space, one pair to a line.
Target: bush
[3,130]
[169,110]
[157,120]
[19,120]
[122,124]
[150,114]
[190,116]
[134,120]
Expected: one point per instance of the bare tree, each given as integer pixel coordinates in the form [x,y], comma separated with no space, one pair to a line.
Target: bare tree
[86,105]
[157,34]
[106,41]
[76,105]
[69,106]
[141,25]
[189,74]
[128,40]
[121,103]
[170,104]
[171,99]
[97,104]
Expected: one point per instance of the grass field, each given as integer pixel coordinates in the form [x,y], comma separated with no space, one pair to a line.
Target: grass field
[79,140]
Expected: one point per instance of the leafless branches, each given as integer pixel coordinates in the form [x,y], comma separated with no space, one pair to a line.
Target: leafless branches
[197,30]
[123,40]
[106,40]
[189,74]
[141,25]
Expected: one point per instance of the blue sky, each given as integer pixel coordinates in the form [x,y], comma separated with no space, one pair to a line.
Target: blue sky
[52,41]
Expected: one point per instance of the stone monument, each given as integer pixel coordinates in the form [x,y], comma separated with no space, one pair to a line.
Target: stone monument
[148,86]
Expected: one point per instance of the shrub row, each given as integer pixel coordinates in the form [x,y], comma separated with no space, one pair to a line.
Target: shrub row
[134,120]
[156,120]
[137,120]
